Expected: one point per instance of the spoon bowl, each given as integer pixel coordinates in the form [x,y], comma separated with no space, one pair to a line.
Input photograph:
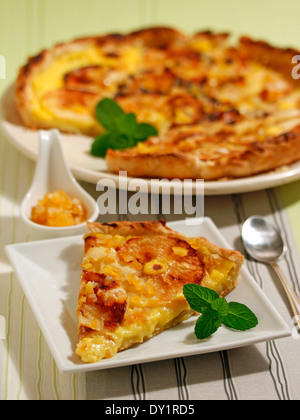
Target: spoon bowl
[262,241]
[51,174]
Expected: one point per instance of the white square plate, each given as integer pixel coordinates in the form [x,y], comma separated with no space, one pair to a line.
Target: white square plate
[49,273]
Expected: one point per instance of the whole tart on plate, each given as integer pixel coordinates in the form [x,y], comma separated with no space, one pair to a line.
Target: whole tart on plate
[221,109]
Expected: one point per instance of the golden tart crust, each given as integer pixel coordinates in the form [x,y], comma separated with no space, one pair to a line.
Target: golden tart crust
[221,110]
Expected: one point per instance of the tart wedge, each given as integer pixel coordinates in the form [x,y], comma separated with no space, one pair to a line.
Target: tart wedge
[132,283]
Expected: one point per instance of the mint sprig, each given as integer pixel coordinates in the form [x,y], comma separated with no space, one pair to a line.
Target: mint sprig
[122,129]
[239,317]
[216,311]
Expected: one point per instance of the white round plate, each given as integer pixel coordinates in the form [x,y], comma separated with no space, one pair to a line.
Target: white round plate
[86,167]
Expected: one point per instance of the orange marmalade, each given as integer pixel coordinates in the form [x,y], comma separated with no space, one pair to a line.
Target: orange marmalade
[58,209]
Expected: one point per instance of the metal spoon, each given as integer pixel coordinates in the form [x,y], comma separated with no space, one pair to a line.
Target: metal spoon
[264,243]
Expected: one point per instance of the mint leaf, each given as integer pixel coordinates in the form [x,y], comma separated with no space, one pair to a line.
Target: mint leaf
[108,113]
[221,306]
[122,129]
[199,297]
[113,118]
[216,310]
[143,131]
[110,140]
[240,317]
[100,145]
[127,124]
[208,323]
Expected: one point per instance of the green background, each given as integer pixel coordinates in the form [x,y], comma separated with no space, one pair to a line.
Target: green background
[26,26]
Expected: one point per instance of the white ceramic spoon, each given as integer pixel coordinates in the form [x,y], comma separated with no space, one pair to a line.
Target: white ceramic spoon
[52,174]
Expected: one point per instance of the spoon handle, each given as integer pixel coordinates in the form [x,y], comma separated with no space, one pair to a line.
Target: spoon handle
[288,290]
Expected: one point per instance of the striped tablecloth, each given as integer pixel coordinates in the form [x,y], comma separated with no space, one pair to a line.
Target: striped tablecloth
[264,371]
[267,370]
